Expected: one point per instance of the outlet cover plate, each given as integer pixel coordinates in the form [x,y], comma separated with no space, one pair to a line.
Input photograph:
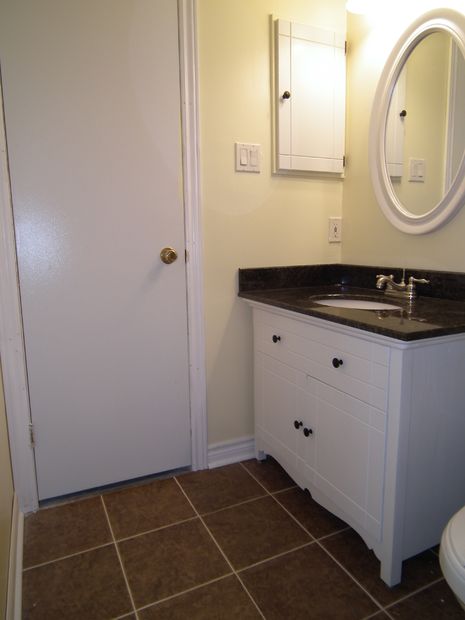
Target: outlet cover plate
[335,230]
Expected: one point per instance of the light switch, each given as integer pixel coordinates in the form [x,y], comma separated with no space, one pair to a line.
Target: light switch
[248,157]
[416,170]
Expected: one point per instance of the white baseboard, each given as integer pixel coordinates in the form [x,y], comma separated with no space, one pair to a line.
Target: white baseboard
[15,567]
[227,452]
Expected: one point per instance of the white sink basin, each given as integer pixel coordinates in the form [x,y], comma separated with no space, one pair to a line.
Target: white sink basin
[359,304]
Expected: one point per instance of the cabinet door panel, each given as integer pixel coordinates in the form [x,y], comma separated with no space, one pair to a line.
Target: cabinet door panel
[342,452]
[347,460]
[307,412]
[310,66]
[276,408]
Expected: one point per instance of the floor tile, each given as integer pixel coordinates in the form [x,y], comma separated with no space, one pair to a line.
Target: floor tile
[269,473]
[168,561]
[89,585]
[349,549]
[316,519]
[212,489]
[434,603]
[254,531]
[52,533]
[137,509]
[225,599]
[306,584]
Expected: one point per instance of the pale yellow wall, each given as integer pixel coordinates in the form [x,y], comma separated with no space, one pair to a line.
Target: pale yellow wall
[426,102]
[249,219]
[6,502]
[368,237]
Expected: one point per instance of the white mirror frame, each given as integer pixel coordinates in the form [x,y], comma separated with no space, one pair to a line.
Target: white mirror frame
[438,20]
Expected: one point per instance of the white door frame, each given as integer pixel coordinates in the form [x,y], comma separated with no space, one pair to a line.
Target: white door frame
[12,351]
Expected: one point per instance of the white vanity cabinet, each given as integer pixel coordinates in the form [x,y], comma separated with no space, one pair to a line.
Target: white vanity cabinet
[373,427]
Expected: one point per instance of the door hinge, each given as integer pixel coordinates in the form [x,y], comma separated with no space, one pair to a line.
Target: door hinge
[31,435]
[345,47]
[186,255]
[343,161]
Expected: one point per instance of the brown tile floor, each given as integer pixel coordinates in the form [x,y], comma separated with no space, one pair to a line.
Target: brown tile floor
[240,541]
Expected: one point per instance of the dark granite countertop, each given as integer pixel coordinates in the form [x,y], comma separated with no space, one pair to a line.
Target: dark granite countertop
[425,317]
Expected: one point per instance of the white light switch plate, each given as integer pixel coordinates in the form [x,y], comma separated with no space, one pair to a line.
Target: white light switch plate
[248,157]
[416,170]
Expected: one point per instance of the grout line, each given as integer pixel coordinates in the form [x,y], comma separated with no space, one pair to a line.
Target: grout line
[120,559]
[294,486]
[294,518]
[344,529]
[246,501]
[197,587]
[407,596]
[221,550]
[278,555]
[65,557]
[155,529]
[378,604]
[255,478]
[373,615]
[273,495]
[315,538]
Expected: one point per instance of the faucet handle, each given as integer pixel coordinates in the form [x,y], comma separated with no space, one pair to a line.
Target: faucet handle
[411,289]
[413,280]
[380,275]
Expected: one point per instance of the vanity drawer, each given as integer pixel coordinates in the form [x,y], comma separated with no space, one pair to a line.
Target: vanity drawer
[350,364]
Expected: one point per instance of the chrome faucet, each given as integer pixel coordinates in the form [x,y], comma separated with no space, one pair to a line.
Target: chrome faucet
[401,289]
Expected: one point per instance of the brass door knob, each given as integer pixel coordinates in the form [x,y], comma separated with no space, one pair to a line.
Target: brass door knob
[168,255]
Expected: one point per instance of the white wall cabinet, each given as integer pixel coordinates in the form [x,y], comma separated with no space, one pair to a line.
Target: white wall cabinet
[310,87]
[395,128]
[372,426]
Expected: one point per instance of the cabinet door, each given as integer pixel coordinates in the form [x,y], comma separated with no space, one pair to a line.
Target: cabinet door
[276,410]
[345,453]
[310,98]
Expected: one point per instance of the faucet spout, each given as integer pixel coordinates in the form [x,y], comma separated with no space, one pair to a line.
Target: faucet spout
[383,281]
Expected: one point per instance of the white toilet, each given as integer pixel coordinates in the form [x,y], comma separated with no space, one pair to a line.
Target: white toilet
[452,555]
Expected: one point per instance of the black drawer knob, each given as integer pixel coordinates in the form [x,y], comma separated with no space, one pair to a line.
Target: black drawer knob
[307,432]
[337,363]
[298,424]
[276,338]
[286,94]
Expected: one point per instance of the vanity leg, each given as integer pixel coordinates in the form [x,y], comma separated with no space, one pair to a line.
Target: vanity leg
[391,572]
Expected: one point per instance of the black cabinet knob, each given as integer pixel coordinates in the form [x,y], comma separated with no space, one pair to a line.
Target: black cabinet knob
[403,114]
[337,363]
[298,424]
[276,338]
[307,432]
[286,94]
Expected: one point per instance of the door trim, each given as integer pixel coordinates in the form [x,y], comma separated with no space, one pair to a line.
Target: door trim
[12,351]
[187,10]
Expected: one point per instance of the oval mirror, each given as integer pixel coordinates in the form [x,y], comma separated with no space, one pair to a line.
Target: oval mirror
[417,133]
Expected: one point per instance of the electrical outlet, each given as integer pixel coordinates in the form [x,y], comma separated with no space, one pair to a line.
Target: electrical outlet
[335,230]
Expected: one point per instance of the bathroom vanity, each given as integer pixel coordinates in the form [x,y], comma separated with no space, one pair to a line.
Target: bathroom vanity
[364,408]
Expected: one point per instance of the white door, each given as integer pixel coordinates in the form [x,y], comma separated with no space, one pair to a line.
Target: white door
[92,108]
